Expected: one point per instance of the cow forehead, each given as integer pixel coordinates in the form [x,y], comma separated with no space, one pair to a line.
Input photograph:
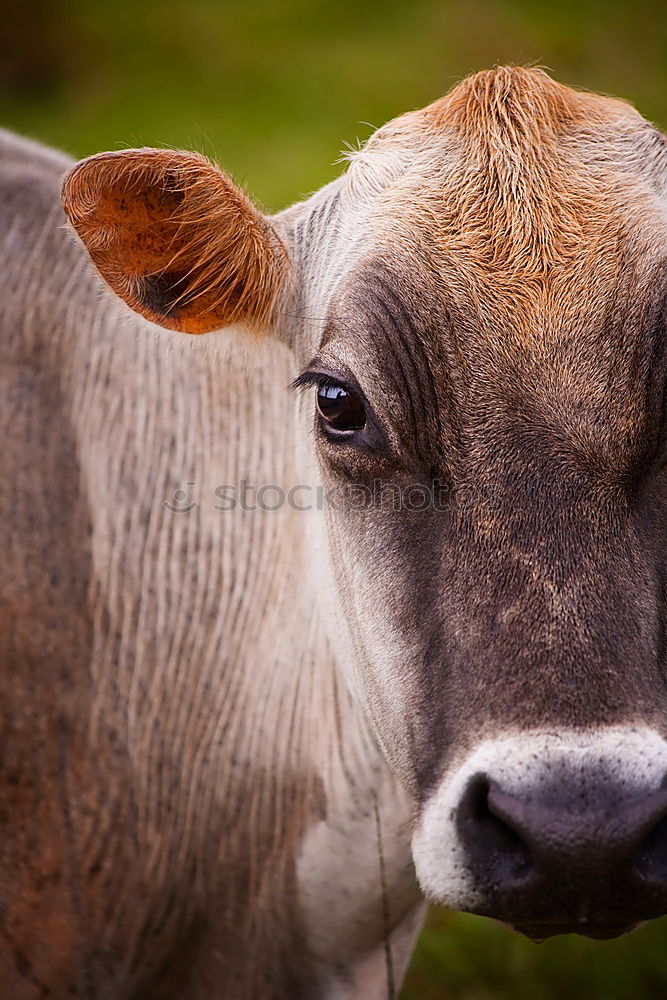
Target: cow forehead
[520,194]
[519,226]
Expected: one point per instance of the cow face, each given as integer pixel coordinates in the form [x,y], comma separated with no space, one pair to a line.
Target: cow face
[489,385]
[478,313]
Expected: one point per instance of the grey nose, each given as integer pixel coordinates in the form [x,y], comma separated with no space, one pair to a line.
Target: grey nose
[563,860]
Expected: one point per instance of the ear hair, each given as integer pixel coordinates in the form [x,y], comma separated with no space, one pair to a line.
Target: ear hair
[176,239]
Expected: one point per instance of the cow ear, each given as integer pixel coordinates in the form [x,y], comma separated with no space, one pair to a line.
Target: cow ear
[175,238]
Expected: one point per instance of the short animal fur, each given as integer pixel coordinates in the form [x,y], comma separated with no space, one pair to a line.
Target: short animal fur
[239,746]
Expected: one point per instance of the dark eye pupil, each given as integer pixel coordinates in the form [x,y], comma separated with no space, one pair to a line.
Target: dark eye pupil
[341,409]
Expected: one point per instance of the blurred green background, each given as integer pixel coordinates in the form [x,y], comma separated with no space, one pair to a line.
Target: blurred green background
[273,89]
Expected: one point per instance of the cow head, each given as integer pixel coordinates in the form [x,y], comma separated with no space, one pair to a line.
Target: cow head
[481,337]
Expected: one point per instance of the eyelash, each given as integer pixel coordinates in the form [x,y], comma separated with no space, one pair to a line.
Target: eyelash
[316,379]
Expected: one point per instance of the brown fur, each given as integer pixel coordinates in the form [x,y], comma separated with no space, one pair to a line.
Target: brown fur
[176,239]
[518,204]
[517,199]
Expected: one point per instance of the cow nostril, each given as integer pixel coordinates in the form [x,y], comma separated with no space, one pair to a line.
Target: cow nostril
[652,860]
[497,847]
[539,854]
[574,850]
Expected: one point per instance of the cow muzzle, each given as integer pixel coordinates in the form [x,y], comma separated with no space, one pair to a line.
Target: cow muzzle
[552,834]
[597,866]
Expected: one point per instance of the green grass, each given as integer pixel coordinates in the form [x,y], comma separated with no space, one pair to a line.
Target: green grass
[273,89]
[472,958]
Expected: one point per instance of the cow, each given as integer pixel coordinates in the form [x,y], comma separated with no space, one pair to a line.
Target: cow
[357,598]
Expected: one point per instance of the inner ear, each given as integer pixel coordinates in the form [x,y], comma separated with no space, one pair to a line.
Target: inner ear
[175,238]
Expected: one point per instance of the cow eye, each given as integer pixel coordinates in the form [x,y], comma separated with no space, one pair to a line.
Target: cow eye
[341,409]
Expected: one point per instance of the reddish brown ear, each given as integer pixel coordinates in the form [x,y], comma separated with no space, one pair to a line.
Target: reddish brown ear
[176,239]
